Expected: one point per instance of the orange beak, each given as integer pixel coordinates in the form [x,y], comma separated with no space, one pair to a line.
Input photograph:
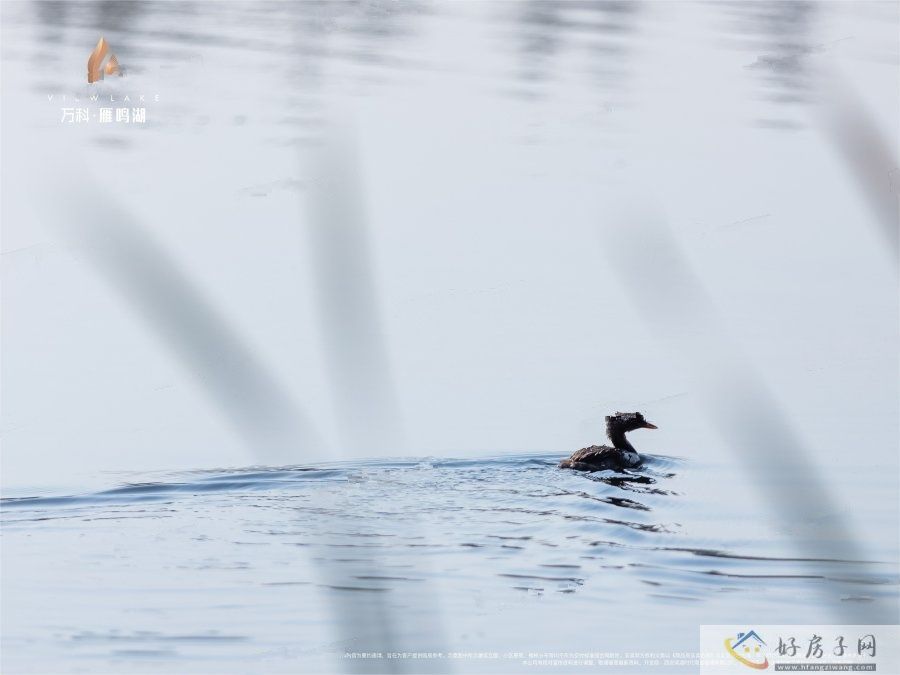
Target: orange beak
[648,425]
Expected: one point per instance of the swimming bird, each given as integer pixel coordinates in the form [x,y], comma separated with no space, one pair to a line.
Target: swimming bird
[621,455]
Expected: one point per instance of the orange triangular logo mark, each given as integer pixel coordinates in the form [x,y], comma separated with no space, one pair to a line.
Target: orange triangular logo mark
[102,62]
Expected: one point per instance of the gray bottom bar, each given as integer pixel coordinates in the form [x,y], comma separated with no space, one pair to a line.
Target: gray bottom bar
[810,667]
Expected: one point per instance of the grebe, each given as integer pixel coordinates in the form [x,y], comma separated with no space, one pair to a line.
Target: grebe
[621,455]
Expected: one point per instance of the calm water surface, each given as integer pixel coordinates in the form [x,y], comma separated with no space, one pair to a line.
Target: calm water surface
[289,569]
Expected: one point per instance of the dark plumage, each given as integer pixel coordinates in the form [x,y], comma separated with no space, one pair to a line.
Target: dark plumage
[621,455]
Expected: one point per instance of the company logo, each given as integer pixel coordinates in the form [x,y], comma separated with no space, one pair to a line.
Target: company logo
[749,649]
[102,62]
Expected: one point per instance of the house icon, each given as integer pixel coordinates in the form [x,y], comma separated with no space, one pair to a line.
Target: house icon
[748,649]
[752,640]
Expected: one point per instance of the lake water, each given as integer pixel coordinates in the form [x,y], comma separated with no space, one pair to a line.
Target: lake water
[347,232]
[291,569]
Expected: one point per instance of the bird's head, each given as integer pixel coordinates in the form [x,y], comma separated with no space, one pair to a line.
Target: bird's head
[623,422]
